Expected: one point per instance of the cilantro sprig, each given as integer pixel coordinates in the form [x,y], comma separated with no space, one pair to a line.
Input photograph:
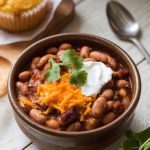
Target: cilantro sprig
[137,141]
[71,60]
[78,77]
[53,73]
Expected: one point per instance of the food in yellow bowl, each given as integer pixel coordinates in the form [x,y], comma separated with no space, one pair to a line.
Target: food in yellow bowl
[22,15]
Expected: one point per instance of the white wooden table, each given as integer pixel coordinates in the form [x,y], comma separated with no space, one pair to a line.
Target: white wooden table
[91,18]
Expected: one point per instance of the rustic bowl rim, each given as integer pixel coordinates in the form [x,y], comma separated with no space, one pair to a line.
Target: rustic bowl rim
[102,129]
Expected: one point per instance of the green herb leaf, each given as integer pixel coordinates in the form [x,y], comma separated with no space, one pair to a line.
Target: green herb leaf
[78,77]
[143,135]
[145,145]
[137,141]
[53,73]
[71,59]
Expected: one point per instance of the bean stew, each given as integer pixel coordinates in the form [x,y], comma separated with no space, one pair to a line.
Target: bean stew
[48,97]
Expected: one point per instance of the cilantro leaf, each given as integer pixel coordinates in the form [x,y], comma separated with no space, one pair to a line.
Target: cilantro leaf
[78,77]
[53,73]
[71,59]
[137,141]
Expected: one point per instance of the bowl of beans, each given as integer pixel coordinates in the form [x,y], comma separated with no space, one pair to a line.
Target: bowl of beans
[74,91]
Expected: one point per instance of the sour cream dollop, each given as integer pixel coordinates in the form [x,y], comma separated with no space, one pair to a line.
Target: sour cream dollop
[98,75]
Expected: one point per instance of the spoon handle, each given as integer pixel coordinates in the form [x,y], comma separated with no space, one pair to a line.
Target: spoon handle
[141,48]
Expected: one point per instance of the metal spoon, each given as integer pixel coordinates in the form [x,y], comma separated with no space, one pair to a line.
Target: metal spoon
[125,26]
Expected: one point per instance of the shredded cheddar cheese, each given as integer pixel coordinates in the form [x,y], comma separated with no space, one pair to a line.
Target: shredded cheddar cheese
[63,96]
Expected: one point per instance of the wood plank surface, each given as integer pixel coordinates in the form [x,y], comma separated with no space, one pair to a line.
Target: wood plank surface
[90,18]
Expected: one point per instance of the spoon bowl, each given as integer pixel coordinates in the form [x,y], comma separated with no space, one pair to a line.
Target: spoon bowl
[122,22]
[125,26]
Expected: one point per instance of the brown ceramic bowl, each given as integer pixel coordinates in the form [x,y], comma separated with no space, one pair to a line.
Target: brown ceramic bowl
[49,139]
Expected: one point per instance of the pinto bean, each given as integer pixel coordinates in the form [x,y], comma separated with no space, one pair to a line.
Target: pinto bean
[65,46]
[122,84]
[126,102]
[112,62]
[91,123]
[99,56]
[60,52]
[85,51]
[109,117]
[123,92]
[89,59]
[34,62]
[24,76]
[118,107]
[43,60]
[52,123]
[52,50]
[108,93]
[22,88]
[99,107]
[37,116]
[109,105]
[75,127]
[67,117]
